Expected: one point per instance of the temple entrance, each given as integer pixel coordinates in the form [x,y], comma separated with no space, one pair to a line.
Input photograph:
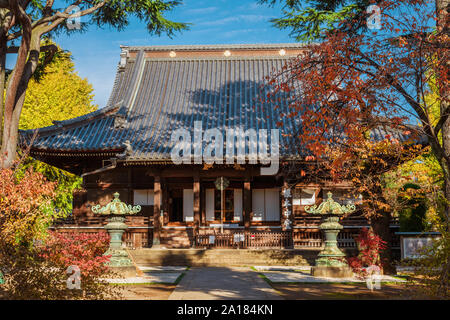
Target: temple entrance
[227,204]
[176,206]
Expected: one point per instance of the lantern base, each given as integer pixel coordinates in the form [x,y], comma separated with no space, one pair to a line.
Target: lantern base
[332,272]
[119,258]
[124,272]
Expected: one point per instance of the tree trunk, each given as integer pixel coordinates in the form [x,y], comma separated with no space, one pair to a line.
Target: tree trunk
[2,78]
[381,228]
[5,24]
[27,61]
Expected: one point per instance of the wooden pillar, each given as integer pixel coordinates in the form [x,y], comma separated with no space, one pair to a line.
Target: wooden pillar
[202,206]
[130,185]
[196,190]
[157,211]
[247,204]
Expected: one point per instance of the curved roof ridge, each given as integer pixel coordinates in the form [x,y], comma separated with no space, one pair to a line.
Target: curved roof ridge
[215,46]
[86,117]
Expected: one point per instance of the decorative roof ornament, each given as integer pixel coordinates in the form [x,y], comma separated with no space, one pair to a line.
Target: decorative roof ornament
[128,150]
[330,207]
[123,58]
[116,207]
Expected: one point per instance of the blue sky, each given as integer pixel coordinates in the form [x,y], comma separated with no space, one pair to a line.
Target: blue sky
[96,53]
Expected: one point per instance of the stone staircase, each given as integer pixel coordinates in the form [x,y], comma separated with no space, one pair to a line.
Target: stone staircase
[177,237]
[223,257]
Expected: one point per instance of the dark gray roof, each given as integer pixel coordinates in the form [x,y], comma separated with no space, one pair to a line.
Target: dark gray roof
[152,97]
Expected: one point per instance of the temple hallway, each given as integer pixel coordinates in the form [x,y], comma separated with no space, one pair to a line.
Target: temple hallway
[232,283]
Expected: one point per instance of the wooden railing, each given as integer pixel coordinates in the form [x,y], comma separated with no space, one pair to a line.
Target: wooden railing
[136,240]
[306,238]
[314,239]
[242,239]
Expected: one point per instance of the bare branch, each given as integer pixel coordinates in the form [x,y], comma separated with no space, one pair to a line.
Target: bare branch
[50,47]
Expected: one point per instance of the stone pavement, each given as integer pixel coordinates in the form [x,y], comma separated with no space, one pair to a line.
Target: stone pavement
[305,277]
[231,283]
[153,277]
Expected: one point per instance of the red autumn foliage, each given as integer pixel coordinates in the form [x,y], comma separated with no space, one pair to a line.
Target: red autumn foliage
[25,206]
[84,250]
[354,94]
[350,85]
[369,245]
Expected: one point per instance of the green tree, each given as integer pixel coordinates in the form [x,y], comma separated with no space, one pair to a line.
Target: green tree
[56,93]
[27,22]
[309,19]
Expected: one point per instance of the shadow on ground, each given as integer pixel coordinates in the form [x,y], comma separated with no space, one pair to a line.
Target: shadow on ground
[357,291]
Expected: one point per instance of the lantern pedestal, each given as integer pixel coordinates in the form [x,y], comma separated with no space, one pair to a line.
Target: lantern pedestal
[120,261]
[331,260]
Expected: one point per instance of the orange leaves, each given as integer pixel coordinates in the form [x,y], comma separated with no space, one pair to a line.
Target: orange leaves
[24,204]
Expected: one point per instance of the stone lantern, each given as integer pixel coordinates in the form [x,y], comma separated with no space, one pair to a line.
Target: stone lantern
[331,260]
[116,210]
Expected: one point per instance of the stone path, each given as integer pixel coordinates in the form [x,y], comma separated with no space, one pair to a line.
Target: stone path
[154,277]
[304,277]
[233,283]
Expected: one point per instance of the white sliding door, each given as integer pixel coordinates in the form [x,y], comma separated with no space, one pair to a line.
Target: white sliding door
[237,204]
[272,204]
[143,197]
[266,204]
[209,204]
[258,204]
[188,204]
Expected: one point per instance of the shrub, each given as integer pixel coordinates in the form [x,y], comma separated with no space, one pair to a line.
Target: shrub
[369,246]
[33,264]
[432,268]
[84,250]
[41,272]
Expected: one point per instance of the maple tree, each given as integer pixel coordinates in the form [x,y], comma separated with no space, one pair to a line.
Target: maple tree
[369,245]
[358,95]
[33,262]
[84,250]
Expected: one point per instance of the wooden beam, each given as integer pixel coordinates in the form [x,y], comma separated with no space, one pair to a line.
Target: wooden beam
[157,211]
[196,190]
[202,205]
[247,203]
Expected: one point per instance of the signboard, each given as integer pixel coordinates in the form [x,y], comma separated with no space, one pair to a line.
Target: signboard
[411,246]
[238,237]
[296,198]
[212,239]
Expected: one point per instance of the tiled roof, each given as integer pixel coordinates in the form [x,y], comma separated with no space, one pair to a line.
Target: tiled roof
[152,97]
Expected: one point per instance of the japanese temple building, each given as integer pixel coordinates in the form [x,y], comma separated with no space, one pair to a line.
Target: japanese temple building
[127,147]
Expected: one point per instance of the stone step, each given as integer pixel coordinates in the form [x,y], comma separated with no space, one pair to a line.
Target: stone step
[223,257]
